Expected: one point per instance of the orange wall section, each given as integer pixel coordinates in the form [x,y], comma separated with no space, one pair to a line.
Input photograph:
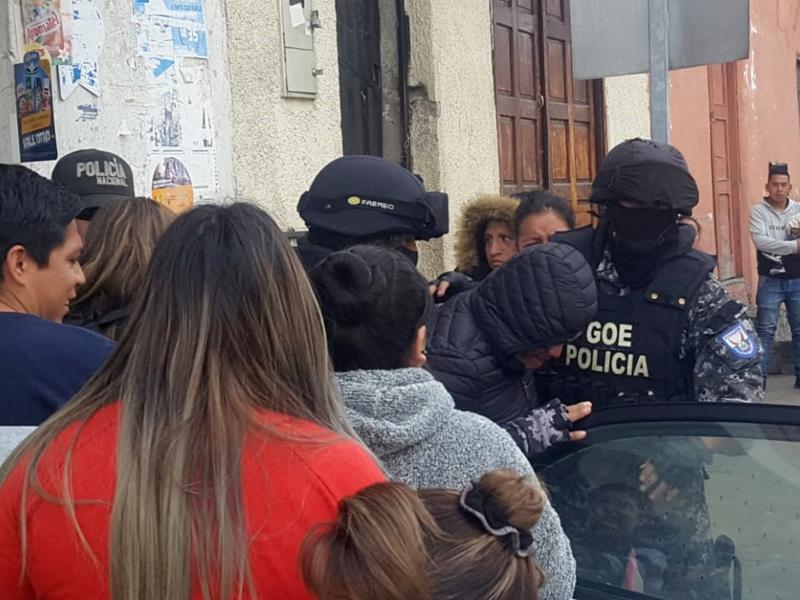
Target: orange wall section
[768,117]
[689,132]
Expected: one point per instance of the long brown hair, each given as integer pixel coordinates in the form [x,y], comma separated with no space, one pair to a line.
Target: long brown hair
[227,324]
[118,248]
[393,543]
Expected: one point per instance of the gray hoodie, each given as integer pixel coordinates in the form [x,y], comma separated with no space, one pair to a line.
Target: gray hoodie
[409,421]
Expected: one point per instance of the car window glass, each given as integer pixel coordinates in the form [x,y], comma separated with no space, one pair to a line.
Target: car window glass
[684,516]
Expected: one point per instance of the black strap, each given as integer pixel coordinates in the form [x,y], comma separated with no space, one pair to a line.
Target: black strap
[410,210]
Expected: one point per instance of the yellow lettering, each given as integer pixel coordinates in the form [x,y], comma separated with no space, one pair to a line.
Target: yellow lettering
[625,335]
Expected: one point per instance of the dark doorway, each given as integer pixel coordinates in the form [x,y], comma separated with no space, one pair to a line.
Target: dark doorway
[359,41]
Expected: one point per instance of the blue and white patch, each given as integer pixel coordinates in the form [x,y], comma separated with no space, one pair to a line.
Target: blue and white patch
[739,341]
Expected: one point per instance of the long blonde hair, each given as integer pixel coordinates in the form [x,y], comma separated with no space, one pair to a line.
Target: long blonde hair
[227,324]
[118,248]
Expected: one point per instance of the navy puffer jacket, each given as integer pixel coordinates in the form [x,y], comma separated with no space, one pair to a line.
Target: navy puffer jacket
[542,297]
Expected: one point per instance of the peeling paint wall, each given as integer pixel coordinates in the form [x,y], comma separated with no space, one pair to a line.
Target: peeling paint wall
[453,117]
[124,108]
[627,108]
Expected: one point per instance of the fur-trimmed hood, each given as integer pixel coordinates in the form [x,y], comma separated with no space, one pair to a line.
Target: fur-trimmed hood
[471,225]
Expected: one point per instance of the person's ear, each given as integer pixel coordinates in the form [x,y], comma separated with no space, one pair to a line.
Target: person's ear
[17,265]
[418,358]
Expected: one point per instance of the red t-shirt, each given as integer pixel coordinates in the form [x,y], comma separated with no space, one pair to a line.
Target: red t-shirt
[289,486]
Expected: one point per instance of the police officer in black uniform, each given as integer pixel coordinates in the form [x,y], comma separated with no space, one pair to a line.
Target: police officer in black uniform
[665,330]
[368,200]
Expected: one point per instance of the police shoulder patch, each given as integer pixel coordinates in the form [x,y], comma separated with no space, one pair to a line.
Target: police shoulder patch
[739,341]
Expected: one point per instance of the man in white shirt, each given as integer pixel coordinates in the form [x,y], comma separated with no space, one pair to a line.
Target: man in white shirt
[775,229]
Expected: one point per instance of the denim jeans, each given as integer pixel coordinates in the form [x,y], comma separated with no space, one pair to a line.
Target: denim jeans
[771,292]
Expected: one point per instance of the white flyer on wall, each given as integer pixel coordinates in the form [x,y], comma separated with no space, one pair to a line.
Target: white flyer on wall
[88,37]
[169,28]
[181,125]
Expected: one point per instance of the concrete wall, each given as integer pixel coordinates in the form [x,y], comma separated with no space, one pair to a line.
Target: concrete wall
[627,108]
[125,106]
[453,118]
[279,143]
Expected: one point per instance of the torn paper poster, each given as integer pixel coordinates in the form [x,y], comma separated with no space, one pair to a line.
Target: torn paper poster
[167,129]
[201,164]
[88,37]
[157,65]
[172,185]
[47,22]
[169,28]
[185,10]
[87,112]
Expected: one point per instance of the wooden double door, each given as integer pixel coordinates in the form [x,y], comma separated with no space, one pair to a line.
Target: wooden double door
[550,126]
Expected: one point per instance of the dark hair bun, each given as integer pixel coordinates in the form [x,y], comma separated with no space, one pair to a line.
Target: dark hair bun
[520,498]
[348,287]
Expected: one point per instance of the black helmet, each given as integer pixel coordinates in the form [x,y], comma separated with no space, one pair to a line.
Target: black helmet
[367,196]
[653,173]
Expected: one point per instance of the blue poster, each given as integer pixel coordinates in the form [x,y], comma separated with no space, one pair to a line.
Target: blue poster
[34,99]
[190,42]
[171,28]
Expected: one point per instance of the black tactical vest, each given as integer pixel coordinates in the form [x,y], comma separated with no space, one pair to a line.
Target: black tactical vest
[630,352]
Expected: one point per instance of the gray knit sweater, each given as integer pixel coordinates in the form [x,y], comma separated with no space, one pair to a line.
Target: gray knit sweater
[409,421]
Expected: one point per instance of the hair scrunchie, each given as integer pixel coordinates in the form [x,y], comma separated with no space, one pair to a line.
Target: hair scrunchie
[494,520]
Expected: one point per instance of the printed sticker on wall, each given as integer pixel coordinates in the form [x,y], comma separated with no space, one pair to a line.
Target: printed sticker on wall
[34,99]
[170,28]
[44,23]
[172,185]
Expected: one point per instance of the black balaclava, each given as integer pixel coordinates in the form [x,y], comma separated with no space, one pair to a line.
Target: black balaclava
[411,255]
[641,238]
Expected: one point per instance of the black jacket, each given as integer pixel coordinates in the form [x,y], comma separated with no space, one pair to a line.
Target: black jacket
[542,297]
[108,323]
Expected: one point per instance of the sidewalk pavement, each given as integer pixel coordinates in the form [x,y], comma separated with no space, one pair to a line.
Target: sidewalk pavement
[780,390]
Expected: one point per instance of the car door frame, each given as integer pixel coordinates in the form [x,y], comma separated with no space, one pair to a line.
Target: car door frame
[779,421]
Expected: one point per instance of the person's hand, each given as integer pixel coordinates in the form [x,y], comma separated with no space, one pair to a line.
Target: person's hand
[651,484]
[439,288]
[797,241]
[576,412]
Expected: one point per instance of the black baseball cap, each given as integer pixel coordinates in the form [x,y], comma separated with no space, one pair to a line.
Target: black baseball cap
[97,176]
